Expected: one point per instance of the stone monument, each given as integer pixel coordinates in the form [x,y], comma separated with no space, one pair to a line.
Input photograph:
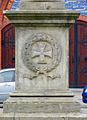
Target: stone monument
[42,53]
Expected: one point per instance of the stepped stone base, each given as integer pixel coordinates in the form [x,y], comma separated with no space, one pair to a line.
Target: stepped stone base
[43,116]
[38,104]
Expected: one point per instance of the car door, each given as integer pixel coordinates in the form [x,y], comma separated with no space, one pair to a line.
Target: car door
[7,83]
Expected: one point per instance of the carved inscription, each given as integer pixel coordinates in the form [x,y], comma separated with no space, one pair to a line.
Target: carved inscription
[41,53]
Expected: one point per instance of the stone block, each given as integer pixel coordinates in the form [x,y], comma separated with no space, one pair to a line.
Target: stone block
[41,105]
[9,116]
[42,5]
[42,73]
[43,116]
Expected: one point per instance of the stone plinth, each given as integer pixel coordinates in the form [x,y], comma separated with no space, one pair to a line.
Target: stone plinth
[41,105]
[42,62]
[43,116]
[42,58]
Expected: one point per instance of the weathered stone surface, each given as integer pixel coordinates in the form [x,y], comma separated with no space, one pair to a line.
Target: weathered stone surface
[42,4]
[42,18]
[41,80]
[42,72]
[42,92]
[9,116]
[41,105]
[43,116]
[42,52]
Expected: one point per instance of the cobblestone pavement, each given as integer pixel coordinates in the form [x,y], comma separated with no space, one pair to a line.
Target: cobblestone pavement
[78,96]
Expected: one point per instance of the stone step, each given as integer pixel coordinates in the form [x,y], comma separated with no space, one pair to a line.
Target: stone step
[41,104]
[43,116]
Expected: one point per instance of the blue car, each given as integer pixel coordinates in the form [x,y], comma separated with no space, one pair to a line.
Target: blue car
[84,95]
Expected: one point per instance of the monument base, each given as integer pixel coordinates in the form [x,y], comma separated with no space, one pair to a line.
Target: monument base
[43,116]
[22,106]
[43,92]
[62,102]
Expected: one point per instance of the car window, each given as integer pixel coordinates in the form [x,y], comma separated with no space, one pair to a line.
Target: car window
[7,76]
[86,90]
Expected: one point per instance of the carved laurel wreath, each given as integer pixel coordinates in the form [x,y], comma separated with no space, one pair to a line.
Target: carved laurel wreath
[27,53]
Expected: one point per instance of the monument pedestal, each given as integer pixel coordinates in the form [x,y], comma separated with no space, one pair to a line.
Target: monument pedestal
[42,53]
[27,104]
[43,116]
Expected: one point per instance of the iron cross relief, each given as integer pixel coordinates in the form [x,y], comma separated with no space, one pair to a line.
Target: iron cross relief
[42,50]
